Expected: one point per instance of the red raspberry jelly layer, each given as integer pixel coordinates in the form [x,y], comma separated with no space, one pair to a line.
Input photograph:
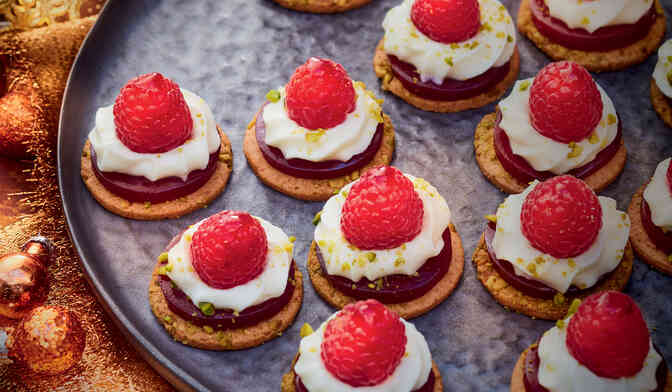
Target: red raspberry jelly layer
[518,167]
[531,372]
[601,40]
[656,234]
[428,387]
[450,89]
[180,304]
[529,287]
[396,288]
[302,168]
[140,189]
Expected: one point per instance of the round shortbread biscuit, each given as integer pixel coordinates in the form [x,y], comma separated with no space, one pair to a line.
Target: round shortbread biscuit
[308,188]
[382,67]
[661,104]
[486,157]
[322,6]
[168,209]
[407,310]
[548,309]
[611,60]
[644,247]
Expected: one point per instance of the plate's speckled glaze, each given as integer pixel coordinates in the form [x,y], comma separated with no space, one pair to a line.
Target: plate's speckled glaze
[231,53]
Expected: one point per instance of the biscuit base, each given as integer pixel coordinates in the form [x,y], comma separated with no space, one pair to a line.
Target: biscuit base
[187,333]
[407,310]
[515,300]
[612,60]
[288,378]
[308,188]
[322,6]
[645,248]
[168,209]
[486,157]
[518,383]
[382,67]
[661,104]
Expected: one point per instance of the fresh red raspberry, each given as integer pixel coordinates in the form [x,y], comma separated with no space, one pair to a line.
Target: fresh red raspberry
[565,104]
[319,94]
[151,116]
[363,344]
[447,21]
[608,335]
[562,217]
[229,249]
[382,210]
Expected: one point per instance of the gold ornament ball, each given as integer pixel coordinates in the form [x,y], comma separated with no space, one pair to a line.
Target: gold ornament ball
[48,340]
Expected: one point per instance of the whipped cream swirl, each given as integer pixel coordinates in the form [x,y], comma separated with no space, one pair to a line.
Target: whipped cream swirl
[559,371]
[594,14]
[491,47]
[411,373]
[544,153]
[584,270]
[113,156]
[343,259]
[340,143]
[271,283]
[659,197]
[664,68]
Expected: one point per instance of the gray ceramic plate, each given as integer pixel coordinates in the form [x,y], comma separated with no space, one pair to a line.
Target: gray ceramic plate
[231,53]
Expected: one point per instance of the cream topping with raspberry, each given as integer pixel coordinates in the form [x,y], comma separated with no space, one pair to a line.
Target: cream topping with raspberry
[664,68]
[594,14]
[544,153]
[559,371]
[583,271]
[411,373]
[659,197]
[271,283]
[113,156]
[341,142]
[343,259]
[491,47]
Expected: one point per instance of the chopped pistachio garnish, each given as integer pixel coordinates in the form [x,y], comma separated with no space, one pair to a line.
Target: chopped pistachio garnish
[454,46]
[669,76]
[509,38]
[559,299]
[449,61]
[163,257]
[371,286]
[573,307]
[500,35]
[532,268]
[314,136]
[148,204]
[273,96]
[306,330]
[370,256]
[560,324]
[168,319]
[576,150]
[206,308]
[292,239]
[491,218]
[593,139]
[316,219]
[208,329]
[585,21]
[611,119]
[345,267]
[524,85]
[399,261]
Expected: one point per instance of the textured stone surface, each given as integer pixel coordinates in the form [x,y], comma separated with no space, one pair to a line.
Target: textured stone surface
[232,53]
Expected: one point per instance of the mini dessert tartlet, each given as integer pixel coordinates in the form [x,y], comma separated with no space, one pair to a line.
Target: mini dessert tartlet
[364,347]
[559,122]
[156,153]
[651,215]
[601,35]
[603,345]
[554,242]
[387,236]
[322,6]
[227,282]
[661,84]
[447,55]
[318,133]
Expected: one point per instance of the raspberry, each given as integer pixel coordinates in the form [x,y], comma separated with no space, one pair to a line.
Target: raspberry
[319,94]
[363,343]
[229,249]
[447,21]
[608,335]
[561,217]
[565,104]
[151,116]
[382,210]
